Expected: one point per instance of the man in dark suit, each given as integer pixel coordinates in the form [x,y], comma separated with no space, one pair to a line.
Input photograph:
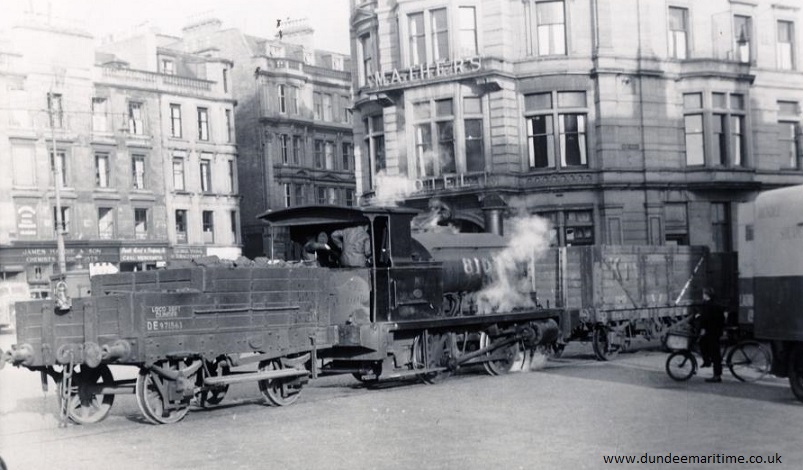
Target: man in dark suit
[712,323]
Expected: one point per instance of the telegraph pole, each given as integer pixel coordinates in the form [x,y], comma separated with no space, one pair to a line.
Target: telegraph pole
[60,294]
[59,171]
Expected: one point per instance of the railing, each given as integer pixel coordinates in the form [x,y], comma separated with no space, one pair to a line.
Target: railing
[281,63]
[325,72]
[186,82]
[158,81]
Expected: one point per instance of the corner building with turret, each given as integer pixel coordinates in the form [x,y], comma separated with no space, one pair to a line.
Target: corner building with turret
[622,121]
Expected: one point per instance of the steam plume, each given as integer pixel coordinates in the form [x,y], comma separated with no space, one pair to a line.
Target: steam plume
[528,241]
[389,189]
[437,219]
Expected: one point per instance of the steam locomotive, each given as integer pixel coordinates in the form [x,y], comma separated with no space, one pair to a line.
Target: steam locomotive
[193,330]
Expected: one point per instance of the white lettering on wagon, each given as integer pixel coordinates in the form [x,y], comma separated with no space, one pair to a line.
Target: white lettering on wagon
[172,325]
[169,311]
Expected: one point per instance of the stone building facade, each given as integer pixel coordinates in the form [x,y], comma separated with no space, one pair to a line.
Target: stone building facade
[294,125]
[144,135]
[622,121]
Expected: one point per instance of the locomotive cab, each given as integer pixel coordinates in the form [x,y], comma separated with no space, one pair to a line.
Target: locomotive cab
[403,283]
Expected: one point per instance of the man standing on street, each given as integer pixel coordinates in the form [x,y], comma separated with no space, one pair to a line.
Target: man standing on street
[712,323]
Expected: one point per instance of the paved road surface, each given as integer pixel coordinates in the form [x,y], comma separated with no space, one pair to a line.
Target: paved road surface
[567,416]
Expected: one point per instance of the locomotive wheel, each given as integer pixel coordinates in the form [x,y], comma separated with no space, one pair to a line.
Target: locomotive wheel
[86,407]
[151,392]
[796,371]
[604,350]
[440,349]
[504,365]
[278,392]
[681,365]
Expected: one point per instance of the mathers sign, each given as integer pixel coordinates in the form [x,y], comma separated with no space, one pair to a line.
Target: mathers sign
[424,72]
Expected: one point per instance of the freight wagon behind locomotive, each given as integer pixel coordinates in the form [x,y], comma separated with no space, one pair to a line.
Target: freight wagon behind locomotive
[409,311]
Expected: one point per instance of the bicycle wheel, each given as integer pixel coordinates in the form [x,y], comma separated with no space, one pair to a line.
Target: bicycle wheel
[681,365]
[749,361]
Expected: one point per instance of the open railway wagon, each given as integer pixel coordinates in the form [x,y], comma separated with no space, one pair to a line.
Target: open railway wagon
[770,243]
[617,294]
[188,330]
[192,331]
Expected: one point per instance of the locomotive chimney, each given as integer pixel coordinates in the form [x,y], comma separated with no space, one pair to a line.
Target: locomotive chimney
[492,208]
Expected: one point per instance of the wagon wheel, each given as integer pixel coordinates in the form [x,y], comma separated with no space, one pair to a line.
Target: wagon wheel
[604,348]
[508,355]
[441,348]
[154,395]
[213,395]
[85,406]
[279,392]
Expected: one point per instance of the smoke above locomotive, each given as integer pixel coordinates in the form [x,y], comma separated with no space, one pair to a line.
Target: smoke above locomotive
[488,271]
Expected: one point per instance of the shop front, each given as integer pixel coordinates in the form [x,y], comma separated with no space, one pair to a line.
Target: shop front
[35,262]
[142,257]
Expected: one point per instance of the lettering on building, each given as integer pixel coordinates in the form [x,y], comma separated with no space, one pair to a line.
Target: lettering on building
[50,255]
[423,72]
[26,221]
[140,254]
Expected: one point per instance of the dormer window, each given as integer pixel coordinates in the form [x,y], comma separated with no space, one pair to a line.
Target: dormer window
[168,67]
[337,62]
[276,51]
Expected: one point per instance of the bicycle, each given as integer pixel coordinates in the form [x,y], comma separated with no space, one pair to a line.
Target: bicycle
[747,359]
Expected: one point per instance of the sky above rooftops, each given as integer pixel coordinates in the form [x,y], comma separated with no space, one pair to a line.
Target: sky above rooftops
[329,18]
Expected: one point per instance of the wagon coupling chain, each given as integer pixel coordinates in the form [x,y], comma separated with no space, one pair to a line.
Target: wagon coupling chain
[65,390]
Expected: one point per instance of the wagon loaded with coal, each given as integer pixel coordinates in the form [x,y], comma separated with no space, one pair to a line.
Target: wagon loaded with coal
[193,330]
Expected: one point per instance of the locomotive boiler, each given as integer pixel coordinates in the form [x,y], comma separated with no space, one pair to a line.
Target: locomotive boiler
[191,331]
